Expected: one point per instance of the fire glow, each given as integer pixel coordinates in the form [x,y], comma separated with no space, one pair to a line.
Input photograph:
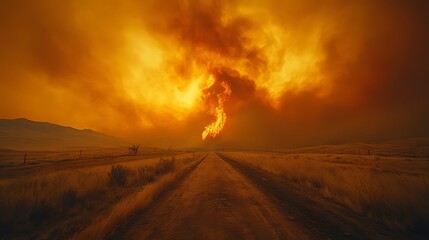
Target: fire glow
[218,112]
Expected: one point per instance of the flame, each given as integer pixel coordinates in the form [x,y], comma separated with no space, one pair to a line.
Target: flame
[216,127]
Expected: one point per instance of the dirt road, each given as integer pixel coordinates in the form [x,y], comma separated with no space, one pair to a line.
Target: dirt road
[218,200]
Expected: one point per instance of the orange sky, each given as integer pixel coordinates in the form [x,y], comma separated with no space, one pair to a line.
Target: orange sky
[300,73]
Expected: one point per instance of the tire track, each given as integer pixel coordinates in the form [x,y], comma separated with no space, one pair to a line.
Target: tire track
[213,202]
[309,214]
[121,228]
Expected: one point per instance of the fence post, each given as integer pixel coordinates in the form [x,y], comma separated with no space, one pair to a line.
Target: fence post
[25,158]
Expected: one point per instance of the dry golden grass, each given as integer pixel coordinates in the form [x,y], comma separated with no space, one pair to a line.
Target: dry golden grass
[31,203]
[389,189]
[10,158]
[122,210]
[102,227]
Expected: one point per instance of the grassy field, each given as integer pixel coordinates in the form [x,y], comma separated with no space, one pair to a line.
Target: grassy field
[56,198]
[10,158]
[393,190]
[85,195]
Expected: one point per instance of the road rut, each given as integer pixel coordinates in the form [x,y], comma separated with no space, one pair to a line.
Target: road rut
[214,202]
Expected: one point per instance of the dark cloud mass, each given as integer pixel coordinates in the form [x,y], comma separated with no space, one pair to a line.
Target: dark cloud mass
[301,73]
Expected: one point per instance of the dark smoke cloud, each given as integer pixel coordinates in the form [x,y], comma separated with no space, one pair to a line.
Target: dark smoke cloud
[377,94]
[60,63]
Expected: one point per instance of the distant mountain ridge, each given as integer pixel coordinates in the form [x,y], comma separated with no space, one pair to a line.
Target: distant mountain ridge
[24,134]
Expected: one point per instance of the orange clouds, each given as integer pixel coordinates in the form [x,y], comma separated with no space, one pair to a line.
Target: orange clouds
[300,73]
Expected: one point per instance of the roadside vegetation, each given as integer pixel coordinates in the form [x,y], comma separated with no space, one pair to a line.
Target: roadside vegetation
[166,171]
[62,203]
[391,190]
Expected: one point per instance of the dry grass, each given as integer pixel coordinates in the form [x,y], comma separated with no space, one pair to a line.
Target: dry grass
[10,158]
[33,203]
[391,190]
[121,211]
[105,225]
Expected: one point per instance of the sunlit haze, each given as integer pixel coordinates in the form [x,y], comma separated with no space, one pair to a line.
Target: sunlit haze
[227,73]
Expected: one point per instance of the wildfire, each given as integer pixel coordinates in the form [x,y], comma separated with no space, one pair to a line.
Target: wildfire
[216,127]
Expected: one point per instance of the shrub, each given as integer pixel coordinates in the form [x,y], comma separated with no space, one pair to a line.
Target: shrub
[149,173]
[118,175]
[165,166]
[146,174]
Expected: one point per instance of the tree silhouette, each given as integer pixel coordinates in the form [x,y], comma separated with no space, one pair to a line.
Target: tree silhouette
[134,149]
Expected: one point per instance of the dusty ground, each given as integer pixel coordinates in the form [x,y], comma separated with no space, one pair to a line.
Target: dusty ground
[224,199]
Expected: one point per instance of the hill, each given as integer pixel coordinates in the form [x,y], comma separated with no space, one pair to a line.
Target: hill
[24,134]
